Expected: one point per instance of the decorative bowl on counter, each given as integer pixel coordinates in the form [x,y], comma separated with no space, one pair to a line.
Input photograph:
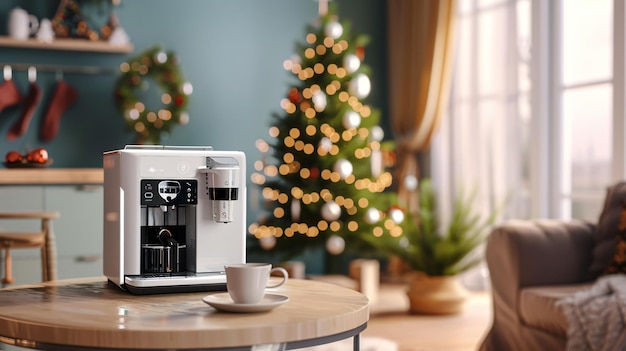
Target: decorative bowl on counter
[36,158]
[26,164]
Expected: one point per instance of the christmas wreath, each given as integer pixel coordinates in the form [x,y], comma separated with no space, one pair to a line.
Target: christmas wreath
[152,124]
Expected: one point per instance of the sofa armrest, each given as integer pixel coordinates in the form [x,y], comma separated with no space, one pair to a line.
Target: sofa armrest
[541,252]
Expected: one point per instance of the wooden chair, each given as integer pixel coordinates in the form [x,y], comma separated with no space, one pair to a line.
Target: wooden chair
[43,239]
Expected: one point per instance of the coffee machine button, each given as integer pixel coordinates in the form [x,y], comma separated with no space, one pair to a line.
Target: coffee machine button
[183,167]
[148,195]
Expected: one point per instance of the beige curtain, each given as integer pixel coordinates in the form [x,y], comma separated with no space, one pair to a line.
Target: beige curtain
[421,43]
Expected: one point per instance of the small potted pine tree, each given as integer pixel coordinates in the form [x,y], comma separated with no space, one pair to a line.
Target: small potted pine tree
[437,254]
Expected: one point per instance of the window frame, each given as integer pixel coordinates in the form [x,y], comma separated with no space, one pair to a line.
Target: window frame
[550,180]
[619,90]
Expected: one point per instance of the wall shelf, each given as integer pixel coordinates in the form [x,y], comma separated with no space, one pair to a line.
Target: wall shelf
[66,45]
[51,176]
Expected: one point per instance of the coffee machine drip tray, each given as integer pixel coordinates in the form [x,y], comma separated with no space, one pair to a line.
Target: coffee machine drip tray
[162,283]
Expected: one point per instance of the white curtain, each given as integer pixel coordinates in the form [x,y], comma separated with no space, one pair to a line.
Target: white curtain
[482,139]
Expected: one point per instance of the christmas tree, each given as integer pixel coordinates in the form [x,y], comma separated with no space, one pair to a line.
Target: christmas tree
[323,174]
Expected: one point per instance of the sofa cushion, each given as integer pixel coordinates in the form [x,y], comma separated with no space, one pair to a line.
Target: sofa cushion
[538,308]
[607,229]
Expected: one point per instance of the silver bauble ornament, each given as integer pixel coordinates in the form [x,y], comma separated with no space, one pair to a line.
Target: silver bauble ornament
[319,101]
[351,119]
[343,167]
[331,211]
[267,243]
[351,63]
[184,118]
[160,57]
[187,88]
[372,215]
[325,144]
[295,210]
[404,242]
[335,245]
[360,86]
[396,215]
[377,133]
[376,163]
[410,182]
[333,30]
[296,59]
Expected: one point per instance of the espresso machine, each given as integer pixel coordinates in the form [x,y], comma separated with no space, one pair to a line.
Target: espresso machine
[174,216]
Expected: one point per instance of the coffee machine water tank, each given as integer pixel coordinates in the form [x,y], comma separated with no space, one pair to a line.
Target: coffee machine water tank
[222,174]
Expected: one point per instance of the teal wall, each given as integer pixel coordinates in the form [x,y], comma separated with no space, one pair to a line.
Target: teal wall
[230,50]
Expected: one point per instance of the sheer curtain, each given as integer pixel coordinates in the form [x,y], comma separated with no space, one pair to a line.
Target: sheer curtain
[421,43]
[478,137]
[483,141]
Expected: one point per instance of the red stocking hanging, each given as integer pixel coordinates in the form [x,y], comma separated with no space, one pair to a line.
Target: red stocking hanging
[64,96]
[28,108]
[9,94]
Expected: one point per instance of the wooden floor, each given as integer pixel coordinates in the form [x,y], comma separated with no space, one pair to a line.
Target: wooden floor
[463,332]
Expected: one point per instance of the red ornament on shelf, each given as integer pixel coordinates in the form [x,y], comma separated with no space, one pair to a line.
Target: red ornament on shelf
[13,157]
[38,155]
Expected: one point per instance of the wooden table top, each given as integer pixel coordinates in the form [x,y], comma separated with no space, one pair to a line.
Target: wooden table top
[94,313]
[51,176]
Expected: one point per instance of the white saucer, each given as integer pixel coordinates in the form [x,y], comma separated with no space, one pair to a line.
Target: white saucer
[223,302]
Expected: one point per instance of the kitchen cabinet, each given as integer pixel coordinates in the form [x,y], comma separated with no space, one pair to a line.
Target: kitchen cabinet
[78,231]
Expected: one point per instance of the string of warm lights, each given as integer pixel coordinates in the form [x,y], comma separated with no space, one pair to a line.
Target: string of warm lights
[325,136]
[162,67]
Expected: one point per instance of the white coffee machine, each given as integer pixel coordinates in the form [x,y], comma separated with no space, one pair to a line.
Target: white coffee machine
[173,217]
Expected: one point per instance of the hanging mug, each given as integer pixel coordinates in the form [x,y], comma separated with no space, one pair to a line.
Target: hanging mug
[22,24]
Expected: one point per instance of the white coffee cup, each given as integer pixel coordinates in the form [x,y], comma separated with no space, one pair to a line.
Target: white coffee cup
[246,282]
[22,24]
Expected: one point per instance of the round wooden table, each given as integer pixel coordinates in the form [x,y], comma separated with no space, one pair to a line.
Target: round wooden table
[94,314]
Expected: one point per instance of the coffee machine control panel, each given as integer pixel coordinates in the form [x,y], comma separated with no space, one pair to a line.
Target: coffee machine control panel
[158,192]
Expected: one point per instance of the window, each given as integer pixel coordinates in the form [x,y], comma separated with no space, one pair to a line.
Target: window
[586,92]
[532,116]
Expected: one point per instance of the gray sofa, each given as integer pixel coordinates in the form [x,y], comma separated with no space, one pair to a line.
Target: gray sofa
[533,264]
